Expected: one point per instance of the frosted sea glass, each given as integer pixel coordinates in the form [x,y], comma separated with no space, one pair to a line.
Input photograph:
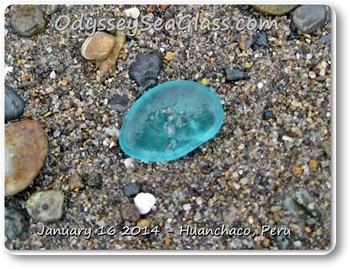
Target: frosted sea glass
[171,120]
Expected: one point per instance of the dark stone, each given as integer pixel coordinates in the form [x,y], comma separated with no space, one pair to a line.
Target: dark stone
[131,189]
[15,223]
[129,212]
[28,21]
[205,169]
[119,103]
[94,180]
[260,40]
[234,74]
[146,67]
[267,114]
[14,104]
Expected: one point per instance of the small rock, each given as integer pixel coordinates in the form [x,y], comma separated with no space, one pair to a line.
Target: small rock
[94,180]
[308,18]
[260,40]
[14,104]
[186,207]
[76,182]
[131,189]
[327,147]
[45,206]
[303,206]
[142,223]
[108,64]
[28,21]
[119,103]
[267,114]
[98,46]
[144,202]
[26,147]
[129,212]
[146,67]
[234,74]
[133,12]
[312,164]
[274,9]
[15,222]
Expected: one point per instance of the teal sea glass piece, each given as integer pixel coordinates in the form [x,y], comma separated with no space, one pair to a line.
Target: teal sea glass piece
[171,120]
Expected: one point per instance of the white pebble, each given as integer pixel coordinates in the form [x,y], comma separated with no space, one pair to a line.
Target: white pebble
[53,75]
[132,12]
[260,85]
[297,244]
[128,163]
[186,207]
[144,202]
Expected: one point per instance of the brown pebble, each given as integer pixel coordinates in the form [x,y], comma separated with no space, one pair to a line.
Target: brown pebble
[308,229]
[129,212]
[167,241]
[98,46]
[164,6]
[276,217]
[26,147]
[297,171]
[142,223]
[106,65]
[312,164]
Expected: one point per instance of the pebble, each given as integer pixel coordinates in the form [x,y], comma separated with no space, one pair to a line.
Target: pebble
[234,74]
[186,207]
[26,146]
[146,67]
[15,222]
[308,18]
[144,202]
[267,114]
[28,21]
[129,212]
[119,103]
[133,12]
[303,206]
[14,104]
[108,64]
[94,180]
[327,147]
[167,108]
[76,182]
[274,9]
[312,164]
[260,40]
[45,206]
[131,189]
[142,223]
[98,46]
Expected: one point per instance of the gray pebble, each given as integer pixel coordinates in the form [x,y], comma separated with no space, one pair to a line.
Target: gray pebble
[94,180]
[14,104]
[308,18]
[146,67]
[131,189]
[234,74]
[129,212]
[45,206]
[15,222]
[260,40]
[28,21]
